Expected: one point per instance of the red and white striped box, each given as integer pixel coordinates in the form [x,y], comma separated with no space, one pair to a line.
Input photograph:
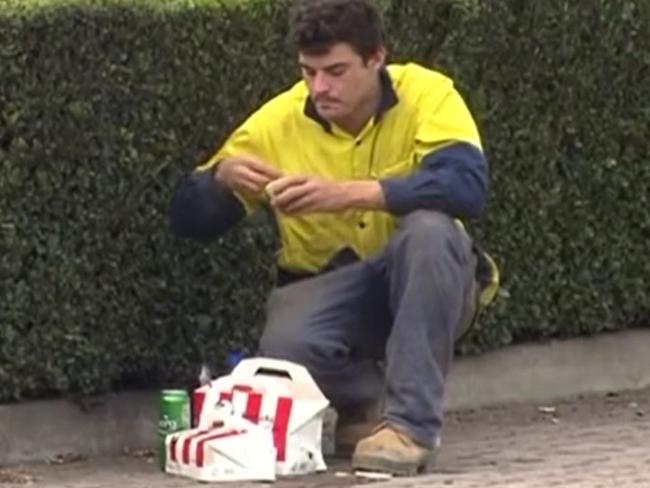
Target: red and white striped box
[278,394]
[236,450]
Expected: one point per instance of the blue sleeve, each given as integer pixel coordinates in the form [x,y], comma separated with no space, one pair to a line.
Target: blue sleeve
[453,180]
[203,209]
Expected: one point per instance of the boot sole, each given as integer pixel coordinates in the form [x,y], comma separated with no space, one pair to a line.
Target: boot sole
[397,468]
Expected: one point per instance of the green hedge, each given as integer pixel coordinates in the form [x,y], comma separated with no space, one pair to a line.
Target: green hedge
[105,104]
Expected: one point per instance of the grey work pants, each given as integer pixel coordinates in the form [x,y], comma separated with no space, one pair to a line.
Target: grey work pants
[402,307]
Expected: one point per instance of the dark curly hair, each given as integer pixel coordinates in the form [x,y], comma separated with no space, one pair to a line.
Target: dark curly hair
[316,25]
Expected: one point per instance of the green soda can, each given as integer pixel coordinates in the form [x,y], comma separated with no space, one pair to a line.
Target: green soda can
[174,415]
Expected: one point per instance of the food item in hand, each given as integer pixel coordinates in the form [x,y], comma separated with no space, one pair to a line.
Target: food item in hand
[271,188]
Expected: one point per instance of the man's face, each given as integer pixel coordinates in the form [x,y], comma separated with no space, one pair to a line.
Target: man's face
[340,81]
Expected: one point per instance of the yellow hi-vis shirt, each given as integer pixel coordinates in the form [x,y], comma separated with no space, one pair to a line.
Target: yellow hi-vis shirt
[426,113]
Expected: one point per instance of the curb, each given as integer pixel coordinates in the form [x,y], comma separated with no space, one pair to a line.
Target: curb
[42,430]
[556,369]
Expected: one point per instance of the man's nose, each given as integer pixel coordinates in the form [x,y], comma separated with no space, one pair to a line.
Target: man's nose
[320,84]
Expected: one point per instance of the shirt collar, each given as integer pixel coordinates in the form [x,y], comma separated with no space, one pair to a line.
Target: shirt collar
[387,101]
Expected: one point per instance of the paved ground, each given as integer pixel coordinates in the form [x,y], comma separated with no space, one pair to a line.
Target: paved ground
[593,441]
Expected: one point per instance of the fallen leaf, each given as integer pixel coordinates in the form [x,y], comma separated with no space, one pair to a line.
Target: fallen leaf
[142,453]
[16,476]
[67,458]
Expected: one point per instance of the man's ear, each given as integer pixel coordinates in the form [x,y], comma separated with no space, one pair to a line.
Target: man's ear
[377,60]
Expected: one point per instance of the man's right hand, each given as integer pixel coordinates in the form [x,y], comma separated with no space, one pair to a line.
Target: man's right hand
[246,174]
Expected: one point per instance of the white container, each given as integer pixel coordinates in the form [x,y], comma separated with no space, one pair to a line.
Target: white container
[274,403]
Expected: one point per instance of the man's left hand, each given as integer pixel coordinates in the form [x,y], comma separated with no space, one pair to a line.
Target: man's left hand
[307,194]
[313,194]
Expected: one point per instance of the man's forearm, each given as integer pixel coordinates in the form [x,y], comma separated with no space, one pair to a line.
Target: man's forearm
[453,180]
[364,195]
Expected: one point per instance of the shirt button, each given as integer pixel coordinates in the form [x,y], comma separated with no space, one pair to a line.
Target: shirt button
[358,142]
[362,225]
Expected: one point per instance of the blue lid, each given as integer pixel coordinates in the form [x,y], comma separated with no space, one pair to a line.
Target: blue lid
[233,358]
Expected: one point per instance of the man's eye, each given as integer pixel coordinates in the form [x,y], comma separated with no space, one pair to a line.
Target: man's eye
[337,72]
[309,73]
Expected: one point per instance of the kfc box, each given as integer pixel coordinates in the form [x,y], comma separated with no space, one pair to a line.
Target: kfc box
[273,397]
[233,449]
[282,394]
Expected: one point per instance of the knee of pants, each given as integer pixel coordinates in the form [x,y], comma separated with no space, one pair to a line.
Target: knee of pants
[426,230]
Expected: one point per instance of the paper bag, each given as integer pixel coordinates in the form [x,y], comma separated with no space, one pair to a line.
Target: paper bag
[280,394]
[234,449]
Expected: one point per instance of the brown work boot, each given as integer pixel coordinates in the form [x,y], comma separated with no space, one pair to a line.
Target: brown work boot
[391,450]
[354,424]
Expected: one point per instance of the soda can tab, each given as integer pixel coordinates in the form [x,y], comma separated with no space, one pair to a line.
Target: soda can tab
[173,416]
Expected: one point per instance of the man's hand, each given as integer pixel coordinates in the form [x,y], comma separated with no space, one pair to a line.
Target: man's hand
[246,174]
[312,194]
